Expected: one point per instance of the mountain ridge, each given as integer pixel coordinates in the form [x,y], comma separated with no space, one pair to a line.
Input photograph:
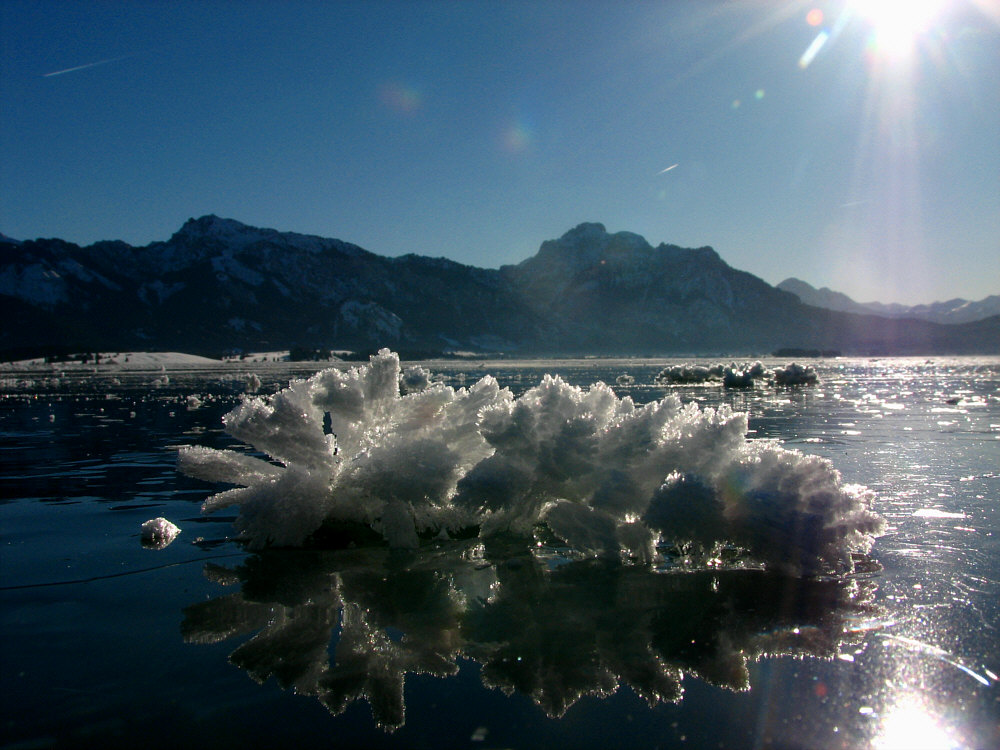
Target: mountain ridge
[951,311]
[219,285]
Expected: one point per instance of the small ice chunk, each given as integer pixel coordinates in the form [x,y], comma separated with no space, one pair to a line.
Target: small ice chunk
[687,374]
[414,379]
[795,374]
[157,533]
[737,376]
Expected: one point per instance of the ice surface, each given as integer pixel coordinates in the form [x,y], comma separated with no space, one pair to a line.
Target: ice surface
[606,476]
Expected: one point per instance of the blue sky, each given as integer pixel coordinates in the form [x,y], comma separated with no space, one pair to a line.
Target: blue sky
[476,130]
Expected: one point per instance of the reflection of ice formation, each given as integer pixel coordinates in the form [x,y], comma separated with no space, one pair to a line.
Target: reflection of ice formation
[553,634]
[604,475]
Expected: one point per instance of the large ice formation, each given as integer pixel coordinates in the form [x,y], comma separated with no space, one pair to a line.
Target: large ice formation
[606,476]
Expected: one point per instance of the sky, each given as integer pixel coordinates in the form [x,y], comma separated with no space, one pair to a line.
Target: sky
[851,144]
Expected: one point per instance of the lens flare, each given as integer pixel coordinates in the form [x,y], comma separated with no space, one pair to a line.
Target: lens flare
[400,97]
[517,137]
[813,49]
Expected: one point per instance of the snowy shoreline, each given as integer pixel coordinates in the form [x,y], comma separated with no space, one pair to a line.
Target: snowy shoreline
[182,361]
[153,361]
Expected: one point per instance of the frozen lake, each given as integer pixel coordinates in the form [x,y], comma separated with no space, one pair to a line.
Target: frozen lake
[460,644]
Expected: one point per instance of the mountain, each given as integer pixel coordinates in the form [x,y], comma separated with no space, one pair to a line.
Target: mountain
[948,312]
[594,289]
[218,285]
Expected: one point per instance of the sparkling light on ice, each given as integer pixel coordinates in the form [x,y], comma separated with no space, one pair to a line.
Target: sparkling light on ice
[606,476]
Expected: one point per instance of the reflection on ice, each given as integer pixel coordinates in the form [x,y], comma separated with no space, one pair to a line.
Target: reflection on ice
[610,478]
[553,633]
[938,653]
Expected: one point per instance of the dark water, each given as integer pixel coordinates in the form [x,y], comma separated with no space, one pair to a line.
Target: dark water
[106,643]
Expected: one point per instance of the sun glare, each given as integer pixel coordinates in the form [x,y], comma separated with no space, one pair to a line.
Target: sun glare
[897,25]
[910,727]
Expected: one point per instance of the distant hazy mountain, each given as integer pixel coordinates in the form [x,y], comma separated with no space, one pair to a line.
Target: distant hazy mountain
[218,285]
[950,311]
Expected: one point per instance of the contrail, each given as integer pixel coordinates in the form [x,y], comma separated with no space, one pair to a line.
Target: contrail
[664,171]
[84,67]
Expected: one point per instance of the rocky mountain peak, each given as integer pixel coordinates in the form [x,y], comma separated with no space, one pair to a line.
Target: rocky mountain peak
[584,246]
[229,236]
[212,227]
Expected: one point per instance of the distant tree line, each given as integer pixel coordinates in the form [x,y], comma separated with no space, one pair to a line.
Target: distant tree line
[305,354]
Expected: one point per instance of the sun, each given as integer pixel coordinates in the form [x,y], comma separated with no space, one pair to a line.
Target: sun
[897,25]
[911,727]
